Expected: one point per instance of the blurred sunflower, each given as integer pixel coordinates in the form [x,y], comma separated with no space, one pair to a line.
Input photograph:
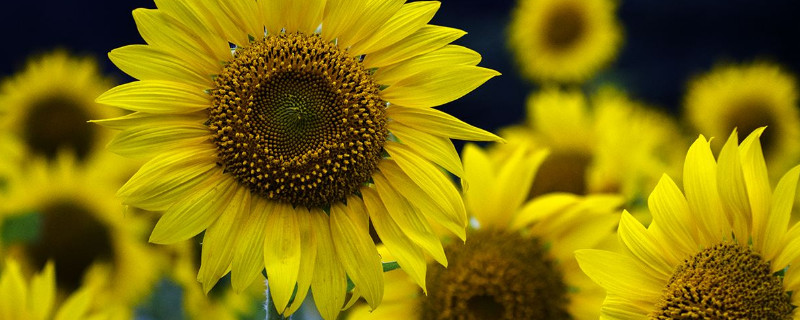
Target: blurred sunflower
[719,250]
[586,143]
[564,40]
[61,212]
[518,261]
[46,107]
[221,302]
[35,298]
[746,97]
[265,121]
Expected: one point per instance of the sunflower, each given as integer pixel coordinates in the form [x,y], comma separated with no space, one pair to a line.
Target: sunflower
[722,249]
[35,298]
[46,107]
[746,97]
[265,122]
[62,212]
[564,40]
[586,143]
[518,261]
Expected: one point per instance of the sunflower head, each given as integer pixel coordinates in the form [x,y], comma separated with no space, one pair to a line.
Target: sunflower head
[564,40]
[282,128]
[48,104]
[749,96]
[720,249]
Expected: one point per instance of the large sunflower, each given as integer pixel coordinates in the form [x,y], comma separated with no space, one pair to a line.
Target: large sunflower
[518,261]
[587,142]
[62,212]
[264,123]
[46,107]
[35,298]
[746,97]
[564,40]
[719,250]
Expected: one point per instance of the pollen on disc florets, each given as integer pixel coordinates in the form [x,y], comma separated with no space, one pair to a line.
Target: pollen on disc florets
[297,119]
[726,281]
[496,275]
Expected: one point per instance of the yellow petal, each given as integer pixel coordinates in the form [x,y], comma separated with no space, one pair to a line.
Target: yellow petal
[424,40]
[76,306]
[192,15]
[778,220]
[439,209]
[375,14]
[219,241]
[148,141]
[700,184]
[439,150]
[408,255]
[43,290]
[478,182]
[148,119]
[619,274]
[303,16]
[246,17]
[541,207]
[330,281]
[449,55]
[513,185]
[436,87]
[647,249]
[194,213]
[756,179]
[308,257]
[147,63]
[167,34]
[357,254]
[13,291]
[156,96]
[733,190]
[409,220]
[223,24]
[248,262]
[282,253]
[410,18]
[438,123]
[339,17]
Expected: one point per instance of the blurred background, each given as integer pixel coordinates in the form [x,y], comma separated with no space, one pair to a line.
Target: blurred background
[665,43]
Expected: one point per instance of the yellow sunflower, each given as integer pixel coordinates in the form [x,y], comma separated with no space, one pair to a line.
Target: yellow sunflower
[722,249]
[564,40]
[265,121]
[61,212]
[221,303]
[518,261]
[35,298]
[616,146]
[47,106]
[746,97]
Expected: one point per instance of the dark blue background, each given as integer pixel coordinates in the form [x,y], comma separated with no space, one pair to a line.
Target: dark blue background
[666,42]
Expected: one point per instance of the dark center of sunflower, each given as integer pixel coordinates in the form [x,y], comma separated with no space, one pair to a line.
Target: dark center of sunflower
[496,275]
[563,171]
[752,114]
[564,26]
[726,281]
[73,239]
[56,123]
[298,120]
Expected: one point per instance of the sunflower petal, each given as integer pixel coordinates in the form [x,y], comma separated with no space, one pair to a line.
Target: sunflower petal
[778,220]
[339,16]
[439,150]
[437,87]
[376,13]
[408,255]
[191,15]
[194,213]
[542,206]
[700,184]
[308,257]
[426,39]
[449,55]
[515,179]
[14,291]
[156,96]
[618,274]
[329,283]
[282,253]
[758,188]
[43,289]
[410,18]
[643,246]
[438,123]
[249,258]
[732,188]
[303,16]
[219,241]
[357,254]
[147,63]
[167,34]
[148,141]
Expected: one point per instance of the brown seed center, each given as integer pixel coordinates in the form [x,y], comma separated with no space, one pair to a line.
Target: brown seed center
[298,120]
[564,26]
[56,123]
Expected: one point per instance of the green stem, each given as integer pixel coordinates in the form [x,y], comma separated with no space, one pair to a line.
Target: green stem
[272,312]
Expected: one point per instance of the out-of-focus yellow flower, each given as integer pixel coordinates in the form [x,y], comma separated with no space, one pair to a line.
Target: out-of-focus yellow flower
[35,298]
[564,40]
[747,97]
[269,145]
[66,213]
[518,261]
[610,144]
[721,249]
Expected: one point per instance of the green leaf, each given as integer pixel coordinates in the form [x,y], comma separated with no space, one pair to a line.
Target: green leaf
[21,228]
